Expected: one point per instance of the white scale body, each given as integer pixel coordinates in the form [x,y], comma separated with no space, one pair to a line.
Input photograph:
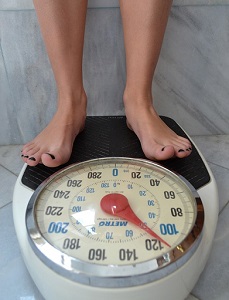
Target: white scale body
[175,286]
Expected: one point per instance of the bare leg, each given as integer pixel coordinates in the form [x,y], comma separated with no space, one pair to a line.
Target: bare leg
[62,24]
[144,24]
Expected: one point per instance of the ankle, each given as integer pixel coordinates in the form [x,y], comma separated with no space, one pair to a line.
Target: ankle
[71,93]
[72,99]
[137,98]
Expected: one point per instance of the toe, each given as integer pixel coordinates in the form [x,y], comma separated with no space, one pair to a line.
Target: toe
[32,161]
[34,158]
[54,159]
[182,152]
[26,151]
[31,156]
[182,147]
[28,147]
[160,152]
[24,157]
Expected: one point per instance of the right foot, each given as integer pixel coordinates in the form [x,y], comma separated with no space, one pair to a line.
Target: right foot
[53,146]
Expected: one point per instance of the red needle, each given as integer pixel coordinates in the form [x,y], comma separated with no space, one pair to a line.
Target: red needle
[117,204]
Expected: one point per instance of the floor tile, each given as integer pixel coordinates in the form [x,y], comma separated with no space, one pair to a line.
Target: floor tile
[214,281]
[221,176]
[15,281]
[10,158]
[214,148]
[7,182]
[9,249]
[215,151]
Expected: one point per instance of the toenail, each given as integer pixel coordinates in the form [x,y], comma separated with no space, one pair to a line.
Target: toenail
[51,155]
[26,156]
[180,150]
[163,149]
[32,158]
[22,155]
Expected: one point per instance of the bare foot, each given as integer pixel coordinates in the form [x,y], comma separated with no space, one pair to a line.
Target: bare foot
[53,146]
[158,141]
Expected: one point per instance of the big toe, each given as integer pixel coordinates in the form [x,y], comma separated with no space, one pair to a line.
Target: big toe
[54,159]
[159,152]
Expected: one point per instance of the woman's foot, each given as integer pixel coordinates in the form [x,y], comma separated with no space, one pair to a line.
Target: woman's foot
[53,146]
[158,141]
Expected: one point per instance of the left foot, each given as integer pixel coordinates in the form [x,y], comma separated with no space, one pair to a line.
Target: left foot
[158,141]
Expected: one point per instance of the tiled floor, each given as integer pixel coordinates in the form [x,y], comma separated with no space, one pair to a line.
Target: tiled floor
[15,282]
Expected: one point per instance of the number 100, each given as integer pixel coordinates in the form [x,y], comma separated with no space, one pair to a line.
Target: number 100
[169,229]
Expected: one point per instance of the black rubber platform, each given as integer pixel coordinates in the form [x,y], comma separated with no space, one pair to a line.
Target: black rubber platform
[110,137]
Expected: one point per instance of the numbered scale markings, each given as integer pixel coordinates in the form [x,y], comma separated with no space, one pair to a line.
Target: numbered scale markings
[114,212]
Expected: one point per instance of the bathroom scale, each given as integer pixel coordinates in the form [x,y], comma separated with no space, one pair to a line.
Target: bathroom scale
[112,224]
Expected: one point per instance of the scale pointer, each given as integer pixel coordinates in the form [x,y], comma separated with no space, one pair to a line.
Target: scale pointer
[117,205]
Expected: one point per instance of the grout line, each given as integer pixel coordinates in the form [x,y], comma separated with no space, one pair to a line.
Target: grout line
[222,209]
[220,212]
[9,203]
[196,298]
[217,165]
[8,170]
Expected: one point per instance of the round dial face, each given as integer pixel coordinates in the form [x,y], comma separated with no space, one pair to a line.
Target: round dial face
[116,212]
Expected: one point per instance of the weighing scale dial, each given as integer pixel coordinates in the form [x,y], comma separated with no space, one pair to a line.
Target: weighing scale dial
[105,220]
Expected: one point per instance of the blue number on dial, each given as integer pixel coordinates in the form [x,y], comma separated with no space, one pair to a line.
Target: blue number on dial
[58,227]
